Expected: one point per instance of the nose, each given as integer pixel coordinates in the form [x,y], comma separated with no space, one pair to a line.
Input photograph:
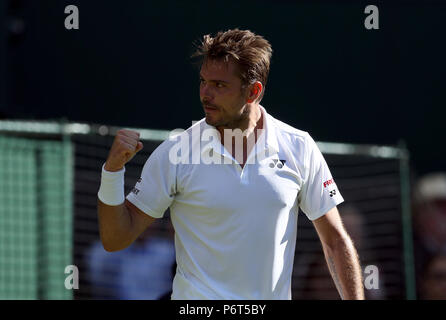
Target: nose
[205,93]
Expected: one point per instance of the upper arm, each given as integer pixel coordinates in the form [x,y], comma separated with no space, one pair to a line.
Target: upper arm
[156,188]
[140,220]
[319,191]
[330,229]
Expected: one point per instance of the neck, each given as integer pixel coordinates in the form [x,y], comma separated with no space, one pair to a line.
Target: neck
[252,123]
[252,119]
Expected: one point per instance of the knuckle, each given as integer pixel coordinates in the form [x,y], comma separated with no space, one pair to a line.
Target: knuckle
[118,142]
[121,146]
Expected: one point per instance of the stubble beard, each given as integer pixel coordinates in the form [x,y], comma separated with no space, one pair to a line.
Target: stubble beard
[225,119]
[223,122]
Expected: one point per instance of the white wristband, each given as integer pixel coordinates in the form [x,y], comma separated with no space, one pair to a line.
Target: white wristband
[111,191]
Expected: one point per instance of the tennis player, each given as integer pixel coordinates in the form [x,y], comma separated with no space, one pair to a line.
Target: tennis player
[235,220]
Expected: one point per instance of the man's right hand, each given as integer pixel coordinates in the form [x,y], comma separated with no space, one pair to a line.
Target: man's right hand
[124,148]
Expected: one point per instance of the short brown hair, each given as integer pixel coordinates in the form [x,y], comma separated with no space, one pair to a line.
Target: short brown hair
[251,52]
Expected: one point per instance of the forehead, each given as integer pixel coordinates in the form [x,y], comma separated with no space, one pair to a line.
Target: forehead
[220,70]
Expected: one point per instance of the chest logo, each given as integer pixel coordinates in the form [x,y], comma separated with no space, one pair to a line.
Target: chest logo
[277,163]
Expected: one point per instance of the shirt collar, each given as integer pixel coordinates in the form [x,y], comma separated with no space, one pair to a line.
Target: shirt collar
[270,131]
[212,139]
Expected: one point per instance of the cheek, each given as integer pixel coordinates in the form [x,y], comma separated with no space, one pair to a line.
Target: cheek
[235,97]
[230,101]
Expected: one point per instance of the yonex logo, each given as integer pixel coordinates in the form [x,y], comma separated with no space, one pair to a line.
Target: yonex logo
[332,193]
[277,163]
[328,182]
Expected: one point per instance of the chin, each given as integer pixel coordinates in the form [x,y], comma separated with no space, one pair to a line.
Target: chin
[210,121]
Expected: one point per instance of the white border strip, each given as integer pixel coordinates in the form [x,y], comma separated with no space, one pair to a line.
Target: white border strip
[47,127]
[359,149]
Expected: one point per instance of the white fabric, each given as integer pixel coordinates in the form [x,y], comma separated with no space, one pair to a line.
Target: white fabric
[111,190]
[235,230]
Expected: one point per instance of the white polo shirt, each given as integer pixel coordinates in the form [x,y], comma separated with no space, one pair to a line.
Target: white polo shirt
[235,229]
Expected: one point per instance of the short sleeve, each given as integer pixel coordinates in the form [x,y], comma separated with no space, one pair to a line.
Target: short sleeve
[156,188]
[319,192]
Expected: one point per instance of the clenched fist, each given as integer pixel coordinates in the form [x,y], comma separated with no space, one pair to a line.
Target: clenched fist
[125,146]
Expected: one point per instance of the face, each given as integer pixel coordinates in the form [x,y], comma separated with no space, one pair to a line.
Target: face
[434,286]
[221,94]
[431,222]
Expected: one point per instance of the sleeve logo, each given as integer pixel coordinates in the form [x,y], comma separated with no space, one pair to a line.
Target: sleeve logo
[328,182]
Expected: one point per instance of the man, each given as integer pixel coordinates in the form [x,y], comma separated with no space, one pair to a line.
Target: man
[235,221]
[433,278]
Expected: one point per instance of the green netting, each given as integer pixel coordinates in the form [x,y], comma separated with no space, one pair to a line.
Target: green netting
[35,218]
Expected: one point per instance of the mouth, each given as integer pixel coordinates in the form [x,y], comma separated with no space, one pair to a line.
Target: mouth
[209,108]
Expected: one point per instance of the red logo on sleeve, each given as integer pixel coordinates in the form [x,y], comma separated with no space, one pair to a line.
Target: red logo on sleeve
[328,182]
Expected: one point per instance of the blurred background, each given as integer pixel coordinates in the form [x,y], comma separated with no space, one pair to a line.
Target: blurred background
[128,65]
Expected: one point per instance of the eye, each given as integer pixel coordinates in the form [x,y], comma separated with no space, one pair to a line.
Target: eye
[219,85]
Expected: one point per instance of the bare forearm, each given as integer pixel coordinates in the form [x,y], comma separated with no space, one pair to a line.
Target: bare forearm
[115,223]
[345,269]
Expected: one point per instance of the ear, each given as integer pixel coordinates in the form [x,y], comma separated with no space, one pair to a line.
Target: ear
[254,92]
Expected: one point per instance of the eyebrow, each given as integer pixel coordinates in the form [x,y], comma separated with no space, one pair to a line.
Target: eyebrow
[216,80]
